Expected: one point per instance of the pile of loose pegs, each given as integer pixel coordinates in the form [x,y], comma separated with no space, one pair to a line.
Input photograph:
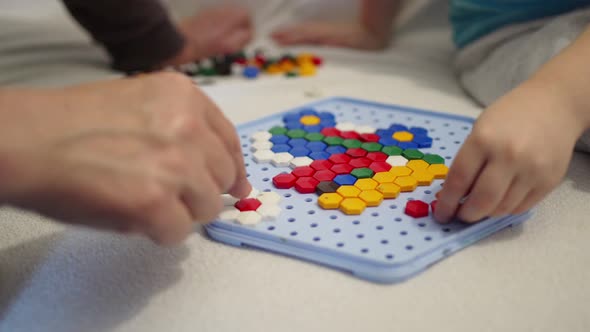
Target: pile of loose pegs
[289,65]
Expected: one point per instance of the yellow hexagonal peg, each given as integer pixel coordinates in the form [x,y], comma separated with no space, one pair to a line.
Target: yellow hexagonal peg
[353,206]
[389,190]
[366,184]
[417,165]
[371,197]
[403,136]
[423,177]
[330,201]
[406,183]
[384,177]
[348,191]
[440,171]
[400,171]
[309,120]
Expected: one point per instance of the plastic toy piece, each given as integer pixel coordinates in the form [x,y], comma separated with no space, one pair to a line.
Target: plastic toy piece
[365,130]
[248,204]
[360,162]
[352,143]
[278,148]
[339,158]
[269,211]
[350,135]
[320,165]
[318,61]
[261,145]
[403,136]
[326,187]
[249,218]
[319,155]
[269,198]
[423,141]
[336,149]
[397,161]
[282,159]
[406,183]
[348,191]
[380,166]
[316,146]
[333,140]
[330,132]
[342,169]
[260,136]
[389,190]
[307,69]
[278,130]
[416,209]
[433,159]
[296,133]
[306,185]
[392,151]
[400,171]
[384,177]
[345,126]
[407,145]
[440,171]
[366,184]
[299,152]
[371,197]
[417,165]
[423,177]
[253,193]
[411,154]
[324,175]
[433,206]
[362,173]
[280,138]
[297,142]
[303,171]
[229,214]
[263,156]
[372,146]
[330,201]
[251,72]
[353,206]
[345,180]
[284,181]
[356,152]
[300,162]
[314,137]
[377,156]
[310,120]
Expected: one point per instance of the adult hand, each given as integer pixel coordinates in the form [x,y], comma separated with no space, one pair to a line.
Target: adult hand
[147,155]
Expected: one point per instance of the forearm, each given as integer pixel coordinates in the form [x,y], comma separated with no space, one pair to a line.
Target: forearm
[138,34]
[568,77]
[378,16]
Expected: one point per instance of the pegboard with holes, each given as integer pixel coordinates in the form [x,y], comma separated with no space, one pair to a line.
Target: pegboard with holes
[345,170]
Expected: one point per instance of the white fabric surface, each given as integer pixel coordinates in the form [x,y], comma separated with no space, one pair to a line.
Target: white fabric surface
[530,278]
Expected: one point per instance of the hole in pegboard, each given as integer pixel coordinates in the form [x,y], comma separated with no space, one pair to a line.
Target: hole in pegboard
[244,136]
[336,230]
[287,195]
[379,228]
[244,145]
[375,214]
[446,124]
[289,207]
[317,239]
[384,241]
[356,222]
[310,212]
[409,247]
[465,128]
[246,154]
[291,220]
[308,200]
[360,236]
[452,133]
[393,206]
[427,238]
[403,233]
[437,138]
[443,147]
[247,164]
[446,230]
[340,244]
[333,217]
[398,219]
[410,199]
[457,142]
[293,233]
[264,169]
[428,192]
[247,175]
[271,228]
[267,190]
[266,179]
[448,157]
[314,225]
[422,225]
[365,250]
[389,256]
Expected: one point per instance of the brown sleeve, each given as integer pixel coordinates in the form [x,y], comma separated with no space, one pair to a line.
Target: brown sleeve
[138,34]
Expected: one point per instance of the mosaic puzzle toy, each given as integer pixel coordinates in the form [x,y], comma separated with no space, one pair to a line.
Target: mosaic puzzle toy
[351,185]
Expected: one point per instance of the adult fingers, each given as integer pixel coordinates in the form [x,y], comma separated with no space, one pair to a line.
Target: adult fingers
[517,192]
[170,223]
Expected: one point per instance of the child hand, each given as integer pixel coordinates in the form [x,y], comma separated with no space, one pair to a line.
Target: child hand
[518,152]
[147,155]
[215,31]
[351,35]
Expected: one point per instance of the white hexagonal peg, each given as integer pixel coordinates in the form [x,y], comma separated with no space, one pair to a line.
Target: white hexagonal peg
[300,161]
[249,218]
[397,161]
[282,159]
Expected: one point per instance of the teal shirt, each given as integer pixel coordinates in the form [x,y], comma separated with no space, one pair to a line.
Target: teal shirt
[473,19]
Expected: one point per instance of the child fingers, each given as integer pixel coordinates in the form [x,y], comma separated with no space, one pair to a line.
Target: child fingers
[463,172]
[488,191]
[517,192]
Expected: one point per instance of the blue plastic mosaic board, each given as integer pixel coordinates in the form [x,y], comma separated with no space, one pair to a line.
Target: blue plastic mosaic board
[382,244]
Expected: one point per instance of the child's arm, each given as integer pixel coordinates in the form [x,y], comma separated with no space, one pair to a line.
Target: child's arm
[372,30]
[521,146]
